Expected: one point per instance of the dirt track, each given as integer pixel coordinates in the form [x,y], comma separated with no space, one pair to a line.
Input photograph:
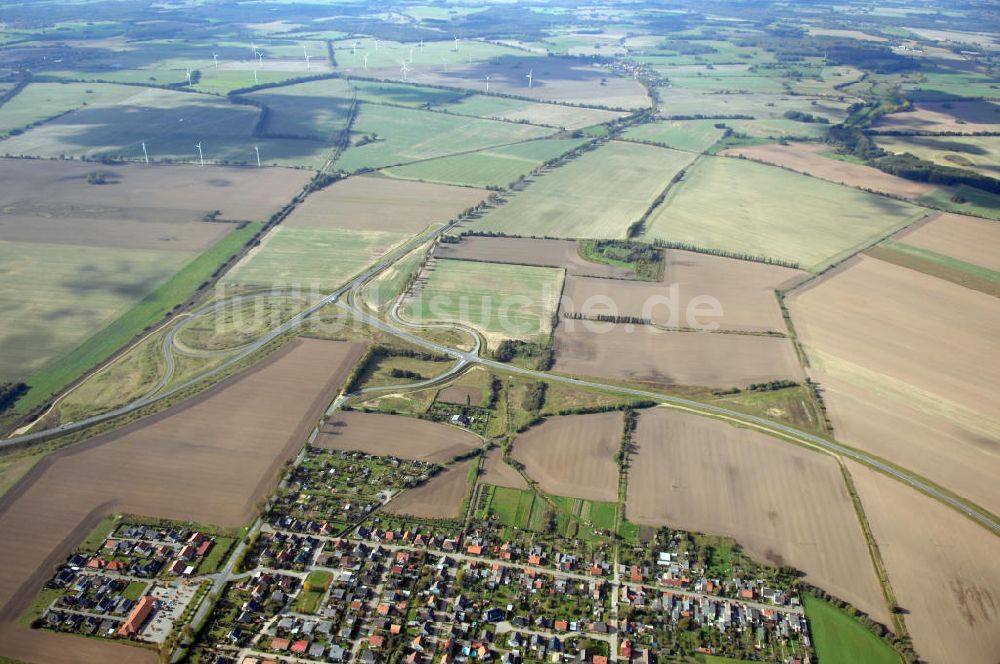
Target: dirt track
[207,460]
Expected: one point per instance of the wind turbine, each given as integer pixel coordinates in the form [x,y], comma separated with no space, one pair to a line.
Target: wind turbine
[306,55]
[421,44]
[215,57]
[354,49]
[487,82]
[260,58]
[376,44]
[257,150]
[144,153]
[366,62]
[201,157]
[189,76]
[528,76]
[411,55]
[255,76]
[404,69]
[456,43]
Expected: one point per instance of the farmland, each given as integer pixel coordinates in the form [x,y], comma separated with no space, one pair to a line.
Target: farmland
[688,135]
[41,101]
[964,238]
[975,153]
[518,110]
[387,136]
[500,474]
[652,357]
[440,498]
[783,504]
[208,459]
[841,639]
[493,166]
[500,301]
[764,211]
[524,251]
[313,110]
[392,435]
[964,117]
[597,195]
[924,404]
[573,455]
[955,609]
[690,101]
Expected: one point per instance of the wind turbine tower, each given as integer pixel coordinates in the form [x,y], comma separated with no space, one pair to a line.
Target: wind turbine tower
[528,76]
[215,57]
[366,62]
[144,153]
[201,157]
[404,69]
[487,82]
[189,76]
[257,150]
[456,43]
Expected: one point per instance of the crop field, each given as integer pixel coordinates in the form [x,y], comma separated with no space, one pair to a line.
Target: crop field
[690,102]
[403,94]
[310,258]
[498,473]
[942,567]
[144,193]
[965,117]
[530,251]
[573,455]
[206,460]
[501,301]
[946,84]
[744,292]
[975,153]
[519,110]
[315,109]
[809,158]
[688,135]
[439,498]
[850,323]
[394,435]
[40,101]
[841,639]
[597,195]
[493,166]
[171,123]
[652,357]
[387,136]
[785,505]
[372,203]
[735,205]
[461,394]
[961,237]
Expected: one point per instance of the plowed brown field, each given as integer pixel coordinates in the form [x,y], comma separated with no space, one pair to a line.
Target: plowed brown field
[395,435]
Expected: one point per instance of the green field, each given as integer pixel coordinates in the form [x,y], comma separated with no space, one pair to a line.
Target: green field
[688,102]
[839,639]
[493,166]
[747,208]
[502,301]
[307,258]
[519,110]
[946,85]
[975,153]
[40,101]
[597,195]
[976,201]
[312,591]
[689,135]
[315,109]
[402,135]
[170,123]
[389,285]
[402,94]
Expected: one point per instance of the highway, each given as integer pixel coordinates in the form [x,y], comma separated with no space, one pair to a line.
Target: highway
[466,358]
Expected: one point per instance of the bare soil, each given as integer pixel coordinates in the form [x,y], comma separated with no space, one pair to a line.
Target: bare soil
[573,455]
[965,117]
[784,504]
[498,473]
[461,394]
[382,204]
[530,251]
[968,239]
[394,435]
[440,498]
[209,460]
[112,233]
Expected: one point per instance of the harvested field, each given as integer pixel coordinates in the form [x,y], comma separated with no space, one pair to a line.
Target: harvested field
[690,135]
[965,238]
[40,101]
[394,435]
[439,498]
[808,158]
[573,455]
[964,117]
[646,355]
[975,153]
[943,568]
[784,504]
[597,195]
[460,394]
[517,110]
[164,193]
[208,459]
[381,204]
[498,473]
[679,101]
[112,233]
[530,251]
[739,206]
[891,342]
[744,292]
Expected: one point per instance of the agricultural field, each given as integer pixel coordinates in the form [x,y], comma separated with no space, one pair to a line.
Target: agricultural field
[652,357]
[314,110]
[964,238]
[500,301]
[975,153]
[394,435]
[372,203]
[841,639]
[687,135]
[170,123]
[40,101]
[315,260]
[597,195]
[387,136]
[519,110]
[530,251]
[785,505]
[573,455]
[497,167]
[206,460]
[958,116]
[498,473]
[735,205]
[439,498]
[928,405]
[955,609]
[677,102]
[810,159]
[403,94]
